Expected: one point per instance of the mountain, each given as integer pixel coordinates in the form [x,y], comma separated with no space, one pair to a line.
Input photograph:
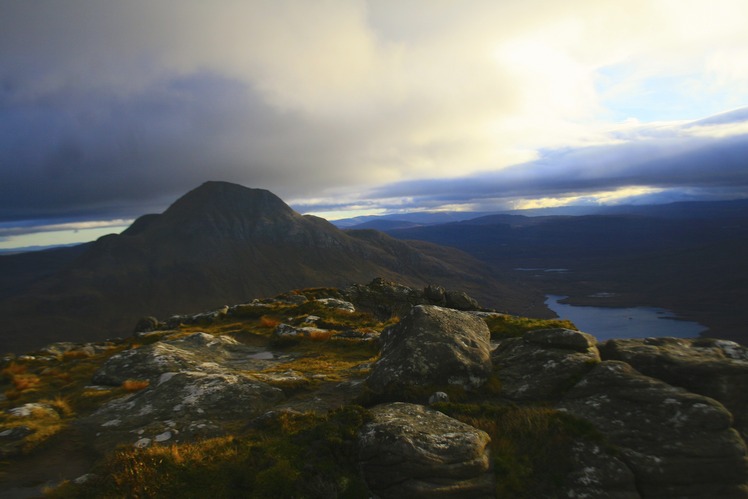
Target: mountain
[220,243]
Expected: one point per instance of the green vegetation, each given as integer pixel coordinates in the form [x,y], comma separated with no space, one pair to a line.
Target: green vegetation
[288,455]
[530,445]
[511,326]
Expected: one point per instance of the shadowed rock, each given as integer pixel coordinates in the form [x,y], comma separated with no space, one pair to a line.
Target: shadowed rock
[412,451]
[432,346]
[543,364]
[715,368]
[678,444]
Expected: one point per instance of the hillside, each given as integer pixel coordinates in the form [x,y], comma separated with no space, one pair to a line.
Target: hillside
[219,244]
[312,394]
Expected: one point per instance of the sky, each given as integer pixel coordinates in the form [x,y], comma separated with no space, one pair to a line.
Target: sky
[110,110]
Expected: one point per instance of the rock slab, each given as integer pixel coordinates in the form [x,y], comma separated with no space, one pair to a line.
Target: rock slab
[543,364]
[678,444]
[710,367]
[412,451]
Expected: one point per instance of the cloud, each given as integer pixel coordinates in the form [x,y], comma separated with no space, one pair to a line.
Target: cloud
[655,162]
[113,109]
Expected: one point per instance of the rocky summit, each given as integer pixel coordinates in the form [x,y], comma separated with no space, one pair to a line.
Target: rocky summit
[374,390]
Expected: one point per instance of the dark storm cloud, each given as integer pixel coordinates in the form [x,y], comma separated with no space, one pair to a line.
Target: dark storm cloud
[114,109]
[78,155]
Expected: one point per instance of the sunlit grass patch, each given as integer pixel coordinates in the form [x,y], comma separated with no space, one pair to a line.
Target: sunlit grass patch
[286,455]
[135,385]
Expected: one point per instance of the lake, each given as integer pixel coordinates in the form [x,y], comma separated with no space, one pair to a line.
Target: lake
[638,322]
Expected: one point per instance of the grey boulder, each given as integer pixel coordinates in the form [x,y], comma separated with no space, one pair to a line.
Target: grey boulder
[412,451]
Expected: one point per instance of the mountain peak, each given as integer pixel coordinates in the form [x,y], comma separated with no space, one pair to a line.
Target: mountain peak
[223,209]
[217,196]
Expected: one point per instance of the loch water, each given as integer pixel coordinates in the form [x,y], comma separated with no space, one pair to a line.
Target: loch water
[637,322]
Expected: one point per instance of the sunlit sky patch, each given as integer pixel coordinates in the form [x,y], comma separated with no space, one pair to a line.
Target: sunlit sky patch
[109,110]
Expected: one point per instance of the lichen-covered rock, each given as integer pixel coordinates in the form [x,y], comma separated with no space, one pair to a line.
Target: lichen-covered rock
[543,364]
[432,346]
[337,304]
[187,403]
[678,444]
[412,451]
[715,368]
[200,352]
[597,473]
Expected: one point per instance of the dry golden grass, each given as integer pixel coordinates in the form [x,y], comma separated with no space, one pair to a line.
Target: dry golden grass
[270,322]
[135,385]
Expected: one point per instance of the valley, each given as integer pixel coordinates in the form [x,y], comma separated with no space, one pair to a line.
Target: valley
[689,259]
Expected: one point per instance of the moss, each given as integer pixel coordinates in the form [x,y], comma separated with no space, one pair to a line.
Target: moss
[510,326]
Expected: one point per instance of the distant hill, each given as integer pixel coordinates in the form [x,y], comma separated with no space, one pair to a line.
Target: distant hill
[687,257]
[220,243]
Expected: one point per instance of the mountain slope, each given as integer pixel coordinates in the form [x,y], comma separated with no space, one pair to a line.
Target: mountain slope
[222,243]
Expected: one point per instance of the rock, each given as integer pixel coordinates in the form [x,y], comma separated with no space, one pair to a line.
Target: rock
[16,433]
[432,346]
[288,331]
[200,352]
[461,301]
[412,451]
[543,364]
[386,299]
[436,295]
[598,473]
[28,410]
[337,304]
[147,325]
[715,368]
[65,348]
[181,403]
[352,334]
[438,397]
[678,444]
[175,321]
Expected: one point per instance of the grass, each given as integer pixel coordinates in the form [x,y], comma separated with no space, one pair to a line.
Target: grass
[510,326]
[135,385]
[529,445]
[289,455]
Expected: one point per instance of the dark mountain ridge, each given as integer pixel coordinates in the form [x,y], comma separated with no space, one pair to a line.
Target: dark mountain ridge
[220,243]
[690,258]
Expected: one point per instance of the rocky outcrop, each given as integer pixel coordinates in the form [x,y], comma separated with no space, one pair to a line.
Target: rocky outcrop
[386,299]
[543,364]
[181,405]
[432,346]
[678,444]
[597,472]
[715,368]
[412,451]
[199,352]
